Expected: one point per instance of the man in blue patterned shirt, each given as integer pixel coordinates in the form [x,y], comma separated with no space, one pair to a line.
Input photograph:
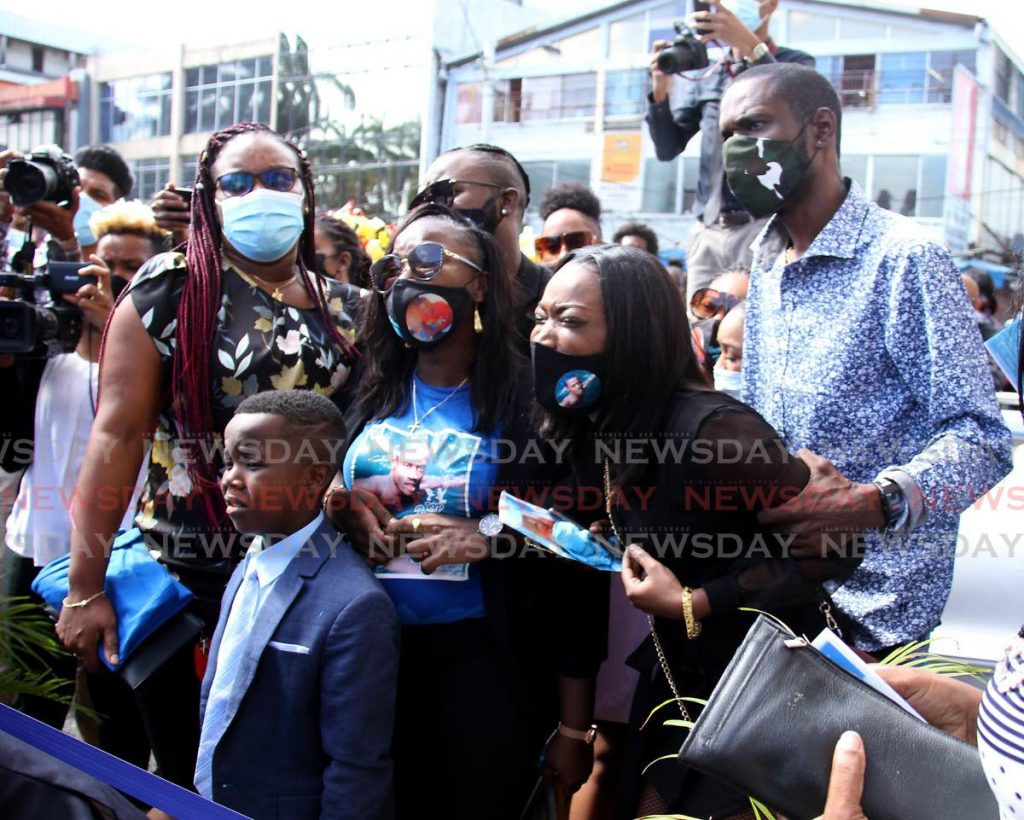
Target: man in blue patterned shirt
[861,350]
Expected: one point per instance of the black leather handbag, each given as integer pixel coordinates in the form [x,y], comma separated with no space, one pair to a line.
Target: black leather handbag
[772,723]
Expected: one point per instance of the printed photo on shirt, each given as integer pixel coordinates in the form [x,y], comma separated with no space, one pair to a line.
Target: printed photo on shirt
[415,474]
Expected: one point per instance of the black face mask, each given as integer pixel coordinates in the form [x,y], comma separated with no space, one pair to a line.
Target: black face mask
[321,263]
[566,384]
[486,217]
[424,315]
[117,285]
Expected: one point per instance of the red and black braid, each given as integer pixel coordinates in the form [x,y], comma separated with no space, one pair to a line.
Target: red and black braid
[192,395]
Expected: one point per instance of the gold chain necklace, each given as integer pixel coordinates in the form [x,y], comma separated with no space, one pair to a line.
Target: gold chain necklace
[608,504]
[276,294]
[417,418]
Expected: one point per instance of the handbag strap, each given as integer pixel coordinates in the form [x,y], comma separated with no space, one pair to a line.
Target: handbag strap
[609,503]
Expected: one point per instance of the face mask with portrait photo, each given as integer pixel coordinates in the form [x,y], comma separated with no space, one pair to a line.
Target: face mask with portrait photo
[566,384]
[424,315]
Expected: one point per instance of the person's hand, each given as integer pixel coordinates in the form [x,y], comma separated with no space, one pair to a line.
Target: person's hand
[846,785]
[658,592]
[661,83]
[57,220]
[766,11]
[433,540]
[568,762]
[722,25]
[947,704]
[95,301]
[6,205]
[362,517]
[171,212]
[81,629]
[830,508]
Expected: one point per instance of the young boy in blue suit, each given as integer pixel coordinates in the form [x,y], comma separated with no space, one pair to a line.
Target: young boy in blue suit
[298,699]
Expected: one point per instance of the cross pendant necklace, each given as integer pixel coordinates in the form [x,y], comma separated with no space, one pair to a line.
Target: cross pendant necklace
[277,293]
[417,419]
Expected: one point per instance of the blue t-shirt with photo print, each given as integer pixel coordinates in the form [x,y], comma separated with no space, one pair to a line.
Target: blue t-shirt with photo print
[439,467]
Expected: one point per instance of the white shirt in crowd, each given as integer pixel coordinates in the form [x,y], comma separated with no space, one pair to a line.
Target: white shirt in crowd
[39,526]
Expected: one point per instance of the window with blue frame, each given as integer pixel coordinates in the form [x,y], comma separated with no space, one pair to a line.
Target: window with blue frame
[941,65]
[662,18]
[135,108]
[625,92]
[902,78]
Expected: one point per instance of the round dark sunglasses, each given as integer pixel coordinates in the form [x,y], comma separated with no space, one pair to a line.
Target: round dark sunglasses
[239,183]
[425,262]
[443,191]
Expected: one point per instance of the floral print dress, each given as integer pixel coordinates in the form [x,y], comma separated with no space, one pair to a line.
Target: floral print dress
[260,344]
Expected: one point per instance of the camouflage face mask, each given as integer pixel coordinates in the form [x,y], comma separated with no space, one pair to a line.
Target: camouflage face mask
[764,173]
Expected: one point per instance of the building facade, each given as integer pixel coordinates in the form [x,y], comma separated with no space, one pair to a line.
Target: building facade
[41,68]
[933,112]
[159,113]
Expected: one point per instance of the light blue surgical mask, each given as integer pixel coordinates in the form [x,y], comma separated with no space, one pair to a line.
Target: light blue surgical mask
[262,225]
[87,206]
[729,382]
[748,11]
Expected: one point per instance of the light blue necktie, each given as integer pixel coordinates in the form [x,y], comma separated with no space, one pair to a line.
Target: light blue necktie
[229,658]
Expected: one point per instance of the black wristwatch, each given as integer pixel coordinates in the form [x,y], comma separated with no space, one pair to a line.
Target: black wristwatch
[894,503]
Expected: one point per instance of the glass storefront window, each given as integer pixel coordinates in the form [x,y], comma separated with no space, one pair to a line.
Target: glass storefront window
[135,108]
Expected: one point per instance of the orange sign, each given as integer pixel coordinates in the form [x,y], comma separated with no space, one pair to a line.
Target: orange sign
[621,161]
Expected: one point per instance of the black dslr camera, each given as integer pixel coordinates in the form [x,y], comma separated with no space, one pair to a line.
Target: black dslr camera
[687,52]
[45,175]
[38,323]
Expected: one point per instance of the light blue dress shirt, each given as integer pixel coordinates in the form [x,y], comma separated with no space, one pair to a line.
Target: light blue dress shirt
[865,351]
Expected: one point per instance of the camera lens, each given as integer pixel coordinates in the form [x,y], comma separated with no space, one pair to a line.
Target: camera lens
[29,182]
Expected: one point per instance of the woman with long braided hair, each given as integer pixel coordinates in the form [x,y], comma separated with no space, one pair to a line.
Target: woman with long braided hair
[239,312]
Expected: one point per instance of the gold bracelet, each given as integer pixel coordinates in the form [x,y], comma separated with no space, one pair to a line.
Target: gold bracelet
[692,624]
[85,602]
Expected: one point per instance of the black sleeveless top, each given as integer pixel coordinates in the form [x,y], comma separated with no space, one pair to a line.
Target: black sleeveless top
[690,495]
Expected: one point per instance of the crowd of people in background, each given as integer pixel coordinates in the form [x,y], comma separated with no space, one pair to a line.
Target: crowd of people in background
[365,648]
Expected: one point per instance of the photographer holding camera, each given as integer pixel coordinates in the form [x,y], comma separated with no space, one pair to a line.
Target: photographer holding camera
[59,194]
[724,230]
[57,390]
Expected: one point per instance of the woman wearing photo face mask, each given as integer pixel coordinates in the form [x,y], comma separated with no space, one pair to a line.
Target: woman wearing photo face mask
[196,333]
[687,511]
[439,426]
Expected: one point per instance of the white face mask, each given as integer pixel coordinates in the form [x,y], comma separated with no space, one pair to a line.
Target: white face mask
[729,382]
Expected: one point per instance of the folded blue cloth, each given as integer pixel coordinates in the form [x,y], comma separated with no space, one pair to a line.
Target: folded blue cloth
[142,592]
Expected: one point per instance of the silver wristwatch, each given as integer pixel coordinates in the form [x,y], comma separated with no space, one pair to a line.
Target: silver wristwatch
[490,525]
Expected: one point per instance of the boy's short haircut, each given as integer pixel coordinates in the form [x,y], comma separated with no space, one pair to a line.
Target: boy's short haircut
[309,416]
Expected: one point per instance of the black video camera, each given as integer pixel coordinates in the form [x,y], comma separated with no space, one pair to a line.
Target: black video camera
[44,175]
[687,52]
[39,323]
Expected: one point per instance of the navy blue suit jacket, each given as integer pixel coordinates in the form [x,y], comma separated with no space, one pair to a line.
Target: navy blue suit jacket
[310,724]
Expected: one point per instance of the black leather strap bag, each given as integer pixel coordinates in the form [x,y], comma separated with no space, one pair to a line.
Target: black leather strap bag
[771,726]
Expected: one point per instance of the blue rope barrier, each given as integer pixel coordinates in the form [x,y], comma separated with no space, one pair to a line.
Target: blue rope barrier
[140,784]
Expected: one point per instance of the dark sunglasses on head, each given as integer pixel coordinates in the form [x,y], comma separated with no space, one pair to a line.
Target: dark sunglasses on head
[553,244]
[425,262]
[239,183]
[706,302]
[444,190]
